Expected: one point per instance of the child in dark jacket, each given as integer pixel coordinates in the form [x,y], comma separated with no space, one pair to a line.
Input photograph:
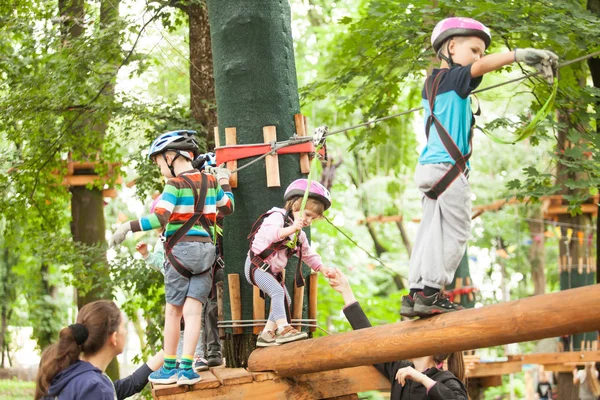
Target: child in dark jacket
[415,379]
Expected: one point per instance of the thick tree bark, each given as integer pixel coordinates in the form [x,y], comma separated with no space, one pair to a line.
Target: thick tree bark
[202,83]
[256,86]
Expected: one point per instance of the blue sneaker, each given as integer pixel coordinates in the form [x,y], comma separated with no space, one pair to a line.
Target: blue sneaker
[187,377]
[163,376]
[200,364]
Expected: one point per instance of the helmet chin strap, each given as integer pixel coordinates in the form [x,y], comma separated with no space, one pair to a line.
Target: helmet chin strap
[447,58]
[170,165]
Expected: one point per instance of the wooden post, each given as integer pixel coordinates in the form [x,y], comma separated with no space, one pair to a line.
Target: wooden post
[219,286]
[217,140]
[235,300]
[271,161]
[231,139]
[458,285]
[312,299]
[258,309]
[300,122]
[297,305]
[533,318]
[468,281]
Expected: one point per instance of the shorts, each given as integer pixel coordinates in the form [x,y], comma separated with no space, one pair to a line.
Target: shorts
[196,257]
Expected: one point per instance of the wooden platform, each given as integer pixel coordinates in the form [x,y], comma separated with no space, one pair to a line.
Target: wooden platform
[238,383]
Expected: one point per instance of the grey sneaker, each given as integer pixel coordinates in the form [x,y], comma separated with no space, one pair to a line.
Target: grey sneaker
[266,339]
[434,305]
[408,307]
[290,334]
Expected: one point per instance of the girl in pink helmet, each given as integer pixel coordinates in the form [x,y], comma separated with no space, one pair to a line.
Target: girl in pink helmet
[443,169]
[270,250]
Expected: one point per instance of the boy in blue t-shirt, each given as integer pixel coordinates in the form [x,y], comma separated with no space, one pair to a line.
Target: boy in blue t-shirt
[443,166]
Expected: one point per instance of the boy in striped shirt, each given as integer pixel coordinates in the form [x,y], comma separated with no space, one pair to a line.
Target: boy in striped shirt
[191,253]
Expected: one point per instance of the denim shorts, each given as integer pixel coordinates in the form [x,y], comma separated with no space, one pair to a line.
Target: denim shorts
[196,257]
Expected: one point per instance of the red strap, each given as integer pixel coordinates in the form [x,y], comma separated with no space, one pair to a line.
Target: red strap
[241,151]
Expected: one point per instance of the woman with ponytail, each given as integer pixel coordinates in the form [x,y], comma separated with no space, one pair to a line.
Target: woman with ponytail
[414,379]
[73,368]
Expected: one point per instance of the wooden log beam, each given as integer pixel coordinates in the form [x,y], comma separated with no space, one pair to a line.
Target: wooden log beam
[522,320]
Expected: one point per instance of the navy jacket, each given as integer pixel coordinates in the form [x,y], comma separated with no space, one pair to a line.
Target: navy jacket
[82,380]
[447,386]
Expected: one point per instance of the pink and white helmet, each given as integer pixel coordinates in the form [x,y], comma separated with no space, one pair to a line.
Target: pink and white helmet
[317,191]
[457,26]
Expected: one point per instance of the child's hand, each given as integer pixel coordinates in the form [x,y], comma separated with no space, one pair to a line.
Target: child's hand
[544,61]
[328,272]
[409,373]
[298,224]
[142,248]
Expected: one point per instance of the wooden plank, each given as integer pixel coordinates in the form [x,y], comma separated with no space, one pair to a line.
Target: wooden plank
[232,376]
[297,304]
[264,376]
[482,369]
[207,381]
[300,122]
[217,138]
[258,309]
[312,298]
[311,386]
[272,160]
[532,318]
[112,193]
[557,358]
[381,219]
[230,140]
[585,208]
[235,300]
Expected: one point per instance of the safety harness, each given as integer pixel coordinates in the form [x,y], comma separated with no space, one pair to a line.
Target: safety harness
[258,260]
[198,216]
[432,86]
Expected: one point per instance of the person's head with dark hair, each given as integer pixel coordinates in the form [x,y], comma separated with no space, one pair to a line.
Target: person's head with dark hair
[98,336]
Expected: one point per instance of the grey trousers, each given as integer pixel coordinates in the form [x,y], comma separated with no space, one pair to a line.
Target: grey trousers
[444,230]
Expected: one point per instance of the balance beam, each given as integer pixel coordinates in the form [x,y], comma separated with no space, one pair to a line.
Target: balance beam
[565,312]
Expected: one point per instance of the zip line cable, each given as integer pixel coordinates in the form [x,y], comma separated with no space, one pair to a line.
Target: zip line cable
[298,140]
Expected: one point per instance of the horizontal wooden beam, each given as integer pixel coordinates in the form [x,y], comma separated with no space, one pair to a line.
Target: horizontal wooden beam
[585,209]
[533,318]
[272,387]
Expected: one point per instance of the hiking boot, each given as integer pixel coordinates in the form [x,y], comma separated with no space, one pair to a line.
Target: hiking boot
[266,339]
[433,305]
[187,377]
[163,376]
[408,307]
[290,334]
[215,360]
[200,364]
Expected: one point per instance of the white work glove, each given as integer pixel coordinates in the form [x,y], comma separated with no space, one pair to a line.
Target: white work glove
[119,236]
[544,61]
[219,172]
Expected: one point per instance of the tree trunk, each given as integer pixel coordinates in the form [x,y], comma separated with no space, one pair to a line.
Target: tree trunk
[256,86]
[405,238]
[202,83]
[87,205]
[537,252]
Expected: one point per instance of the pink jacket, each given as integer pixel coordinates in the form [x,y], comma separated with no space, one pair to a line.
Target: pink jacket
[269,233]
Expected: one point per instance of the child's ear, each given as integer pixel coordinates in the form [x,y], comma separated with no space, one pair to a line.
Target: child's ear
[112,339]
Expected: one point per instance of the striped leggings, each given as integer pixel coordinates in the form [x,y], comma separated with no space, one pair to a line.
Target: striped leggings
[268,284]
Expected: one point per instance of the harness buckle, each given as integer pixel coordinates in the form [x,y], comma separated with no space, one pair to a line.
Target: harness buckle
[220,263]
[264,267]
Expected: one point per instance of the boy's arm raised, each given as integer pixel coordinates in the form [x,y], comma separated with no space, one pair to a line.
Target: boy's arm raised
[544,61]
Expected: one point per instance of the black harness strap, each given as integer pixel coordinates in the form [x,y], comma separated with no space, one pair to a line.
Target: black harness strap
[460,161]
[199,200]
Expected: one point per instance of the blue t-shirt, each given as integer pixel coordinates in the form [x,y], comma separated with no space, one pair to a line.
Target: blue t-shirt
[453,110]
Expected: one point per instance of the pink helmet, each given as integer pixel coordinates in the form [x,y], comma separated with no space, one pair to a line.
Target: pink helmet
[317,191]
[456,26]
[154,203]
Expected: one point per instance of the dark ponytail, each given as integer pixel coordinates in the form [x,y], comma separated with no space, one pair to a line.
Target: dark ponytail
[456,363]
[96,321]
